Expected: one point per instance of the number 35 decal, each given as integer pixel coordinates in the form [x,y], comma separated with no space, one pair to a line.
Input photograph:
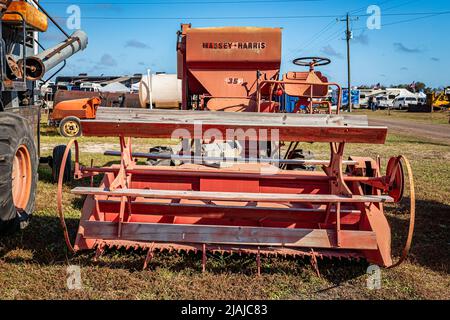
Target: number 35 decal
[232,81]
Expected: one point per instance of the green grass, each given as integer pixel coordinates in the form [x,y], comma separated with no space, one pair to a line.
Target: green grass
[33,263]
[438,117]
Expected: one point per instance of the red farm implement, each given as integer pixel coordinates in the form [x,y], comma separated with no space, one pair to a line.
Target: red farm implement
[250,206]
[238,189]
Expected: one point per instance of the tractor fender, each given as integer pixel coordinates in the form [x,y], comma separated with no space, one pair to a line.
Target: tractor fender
[79,108]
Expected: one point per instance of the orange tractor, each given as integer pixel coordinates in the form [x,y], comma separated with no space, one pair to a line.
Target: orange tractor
[66,115]
[251,202]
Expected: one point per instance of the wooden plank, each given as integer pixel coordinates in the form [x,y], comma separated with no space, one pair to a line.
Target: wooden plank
[230,196]
[291,127]
[228,131]
[230,235]
[225,117]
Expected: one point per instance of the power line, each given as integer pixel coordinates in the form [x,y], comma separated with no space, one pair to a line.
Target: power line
[365,7]
[179,2]
[329,37]
[384,10]
[334,35]
[400,5]
[317,36]
[254,17]
[330,27]
[412,19]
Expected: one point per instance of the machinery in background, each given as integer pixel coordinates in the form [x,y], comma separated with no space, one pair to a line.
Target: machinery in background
[160,90]
[435,101]
[67,115]
[237,69]
[116,91]
[439,100]
[21,65]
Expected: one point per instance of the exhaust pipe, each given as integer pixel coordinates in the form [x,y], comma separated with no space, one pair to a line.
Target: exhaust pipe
[37,66]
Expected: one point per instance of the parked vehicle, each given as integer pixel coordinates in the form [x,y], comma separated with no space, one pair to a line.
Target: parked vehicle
[403,102]
[366,94]
[90,87]
[383,102]
[67,115]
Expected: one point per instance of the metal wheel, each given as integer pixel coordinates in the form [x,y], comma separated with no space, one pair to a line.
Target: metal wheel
[18,172]
[395,171]
[21,177]
[311,61]
[70,127]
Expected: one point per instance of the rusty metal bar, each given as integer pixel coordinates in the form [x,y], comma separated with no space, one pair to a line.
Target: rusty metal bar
[199,159]
[231,235]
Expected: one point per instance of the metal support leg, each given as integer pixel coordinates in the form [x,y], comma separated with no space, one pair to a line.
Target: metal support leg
[123,201]
[126,162]
[338,223]
[337,184]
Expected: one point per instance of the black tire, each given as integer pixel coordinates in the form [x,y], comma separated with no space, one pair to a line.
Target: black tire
[75,127]
[58,153]
[300,154]
[161,162]
[15,133]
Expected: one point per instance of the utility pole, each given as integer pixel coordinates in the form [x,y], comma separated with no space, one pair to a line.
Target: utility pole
[348,37]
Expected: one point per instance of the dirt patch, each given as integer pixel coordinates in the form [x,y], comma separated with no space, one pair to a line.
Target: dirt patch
[95,147]
[434,132]
[86,147]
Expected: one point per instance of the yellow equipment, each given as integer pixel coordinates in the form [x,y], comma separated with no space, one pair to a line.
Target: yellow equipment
[34,19]
[439,100]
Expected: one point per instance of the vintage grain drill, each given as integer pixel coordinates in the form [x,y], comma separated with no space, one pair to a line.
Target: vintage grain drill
[255,203]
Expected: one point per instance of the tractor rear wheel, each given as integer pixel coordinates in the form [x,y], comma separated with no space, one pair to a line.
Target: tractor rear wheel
[70,127]
[18,172]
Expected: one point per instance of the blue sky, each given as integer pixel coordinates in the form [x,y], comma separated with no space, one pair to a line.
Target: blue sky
[407,48]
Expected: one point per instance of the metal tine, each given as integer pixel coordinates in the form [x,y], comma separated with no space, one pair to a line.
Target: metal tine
[98,252]
[258,262]
[204,258]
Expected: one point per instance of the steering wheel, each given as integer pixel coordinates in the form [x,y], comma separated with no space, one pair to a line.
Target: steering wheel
[311,62]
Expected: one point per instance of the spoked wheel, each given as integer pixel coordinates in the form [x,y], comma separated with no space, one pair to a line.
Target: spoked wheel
[396,173]
[311,62]
[21,177]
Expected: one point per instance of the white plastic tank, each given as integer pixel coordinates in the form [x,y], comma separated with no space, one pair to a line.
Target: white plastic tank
[165,91]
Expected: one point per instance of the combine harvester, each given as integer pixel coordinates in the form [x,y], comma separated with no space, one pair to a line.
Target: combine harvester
[254,204]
